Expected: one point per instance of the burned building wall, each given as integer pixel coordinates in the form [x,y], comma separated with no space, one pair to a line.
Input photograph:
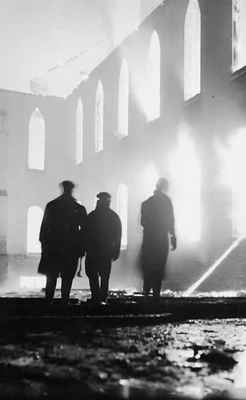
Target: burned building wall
[184,143]
[211,117]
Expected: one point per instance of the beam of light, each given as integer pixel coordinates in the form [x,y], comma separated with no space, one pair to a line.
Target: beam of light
[185,174]
[233,160]
[212,268]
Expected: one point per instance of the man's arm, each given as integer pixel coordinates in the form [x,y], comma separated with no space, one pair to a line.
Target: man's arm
[172,227]
[82,232]
[142,215]
[118,234]
[44,229]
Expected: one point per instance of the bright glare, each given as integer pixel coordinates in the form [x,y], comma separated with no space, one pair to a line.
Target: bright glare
[32,282]
[99,117]
[238,34]
[186,189]
[36,149]
[233,175]
[34,219]
[192,50]
[240,372]
[154,77]
[79,132]
[150,178]
[122,209]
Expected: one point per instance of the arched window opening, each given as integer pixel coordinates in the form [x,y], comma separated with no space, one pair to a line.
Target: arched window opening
[36,145]
[122,209]
[238,34]
[192,50]
[34,220]
[79,132]
[154,77]
[99,117]
[123,101]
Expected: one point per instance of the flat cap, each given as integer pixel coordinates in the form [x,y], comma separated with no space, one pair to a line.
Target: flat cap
[67,184]
[104,196]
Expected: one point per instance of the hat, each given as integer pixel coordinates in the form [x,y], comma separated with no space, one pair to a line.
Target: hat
[162,183]
[69,185]
[104,196]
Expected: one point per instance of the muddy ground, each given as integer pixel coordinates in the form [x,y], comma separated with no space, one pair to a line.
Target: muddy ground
[191,360]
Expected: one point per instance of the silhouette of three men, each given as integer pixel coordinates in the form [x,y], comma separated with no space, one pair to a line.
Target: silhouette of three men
[67,234]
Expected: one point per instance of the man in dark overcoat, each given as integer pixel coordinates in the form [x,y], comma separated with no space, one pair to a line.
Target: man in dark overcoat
[103,239]
[62,240]
[157,219]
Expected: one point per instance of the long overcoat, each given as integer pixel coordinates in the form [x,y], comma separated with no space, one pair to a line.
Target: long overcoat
[62,235]
[103,234]
[157,219]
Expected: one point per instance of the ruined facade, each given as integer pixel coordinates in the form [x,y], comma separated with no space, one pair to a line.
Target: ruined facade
[167,102]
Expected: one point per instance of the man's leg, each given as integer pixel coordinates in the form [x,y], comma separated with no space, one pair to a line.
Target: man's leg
[93,276]
[67,275]
[105,275]
[147,280]
[157,283]
[51,280]
[66,285]
[159,273]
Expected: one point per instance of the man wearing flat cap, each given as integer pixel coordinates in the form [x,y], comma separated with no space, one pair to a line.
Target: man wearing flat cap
[62,237]
[103,238]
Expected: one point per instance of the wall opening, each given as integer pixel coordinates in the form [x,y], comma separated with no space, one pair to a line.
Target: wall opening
[192,50]
[36,144]
[123,101]
[238,34]
[79,132]
[99,116]
[34,220]
[154,77]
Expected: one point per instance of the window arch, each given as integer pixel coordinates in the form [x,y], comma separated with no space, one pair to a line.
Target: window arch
[192,50]
[122,209]
[123,101]
[36,144]
[238,34]
[79,132]
[154,77]
[99,108]
[34,220]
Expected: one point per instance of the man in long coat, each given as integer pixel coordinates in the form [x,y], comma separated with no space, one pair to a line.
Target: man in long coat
[61,238]
[157,219]
[103,239]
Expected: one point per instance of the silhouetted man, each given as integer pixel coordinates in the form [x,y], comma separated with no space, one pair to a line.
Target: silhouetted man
[157,219]
[103,238]
[61,238]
